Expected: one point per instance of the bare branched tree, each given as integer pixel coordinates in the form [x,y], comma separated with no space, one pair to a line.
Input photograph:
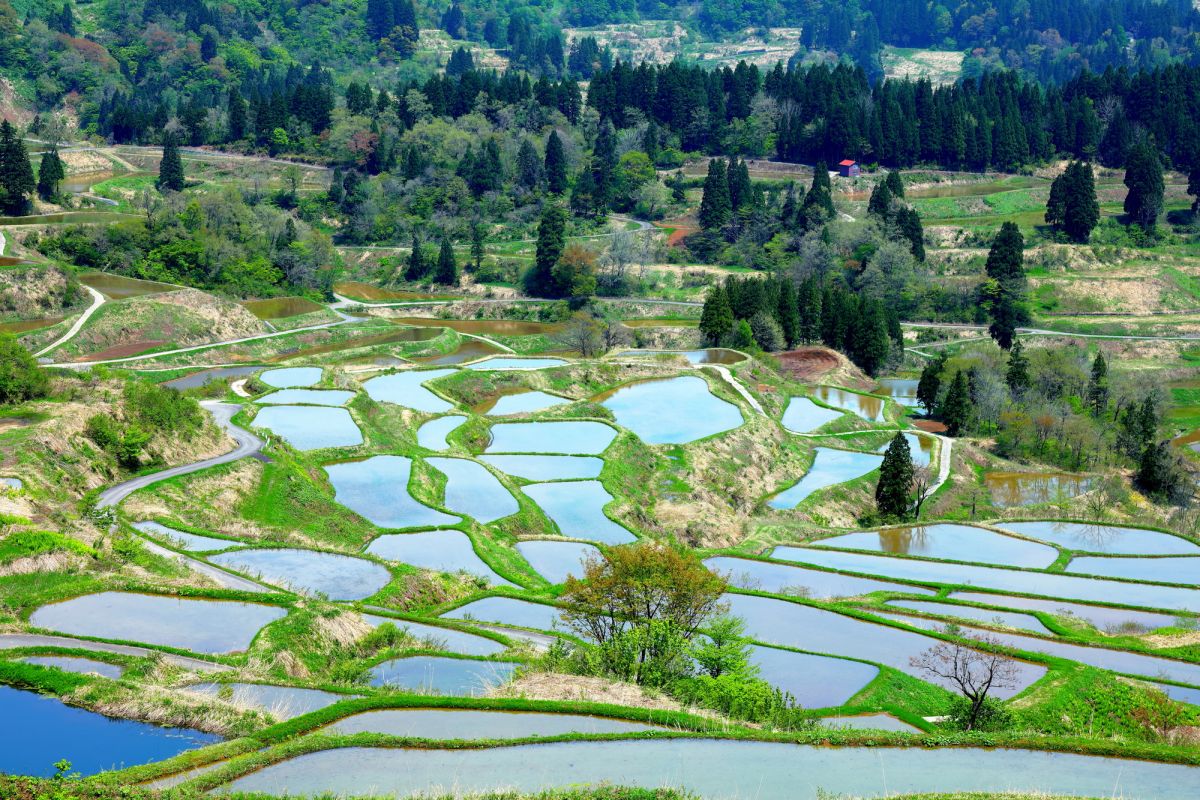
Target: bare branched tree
[923,479]
[974,672]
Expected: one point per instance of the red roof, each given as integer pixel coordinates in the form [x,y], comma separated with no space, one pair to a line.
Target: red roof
[846,163]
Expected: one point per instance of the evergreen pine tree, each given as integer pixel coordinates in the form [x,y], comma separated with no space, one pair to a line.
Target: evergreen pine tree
[1006,317]
[892,496]
[447,267]
[417,267]
[715,206]
[170,168]
[880,203]
[50,174]
[556,165]
[909,222]
[929,384]
[1006,259]
[678,185]
[1017,374]
[956,408]
[17,181]
[895,184]
[477,243]
[788,313]
[1082,212]
[809,297]
[716,319]
[1144,179]
[818,202]
[552,238]
[1056,204]
[1193,187]
[604,168]
[236,109]
[1097,395]
[529,166]
[741,191]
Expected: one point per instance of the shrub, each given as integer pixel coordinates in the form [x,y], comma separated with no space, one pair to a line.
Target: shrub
[21,378]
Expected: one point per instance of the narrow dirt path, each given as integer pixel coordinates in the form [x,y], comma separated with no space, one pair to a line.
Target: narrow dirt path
[97,301]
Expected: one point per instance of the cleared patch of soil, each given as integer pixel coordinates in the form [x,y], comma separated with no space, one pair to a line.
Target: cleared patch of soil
[929,425]
[808,363]
[121,350]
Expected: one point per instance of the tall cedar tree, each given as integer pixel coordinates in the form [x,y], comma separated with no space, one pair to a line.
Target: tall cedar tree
[908,220]
[50,174]
[788,313]
[956,408]
[170,169]
[447,267]
[556,165]
[529,166]
[416,262]
[880,203]
[1144,179]
[236,108]
[741,191]
[551,239]
[818,202]
[1006,266]
[604,168]
[930,384]
[895,184]
[477,243]
[16,173]
[1098,385]
[1072,207]
[715,205]
[1017,374]
[892,493]
[716,319]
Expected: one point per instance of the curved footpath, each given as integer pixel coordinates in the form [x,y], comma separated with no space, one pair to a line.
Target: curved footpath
[248,445]
[97,301]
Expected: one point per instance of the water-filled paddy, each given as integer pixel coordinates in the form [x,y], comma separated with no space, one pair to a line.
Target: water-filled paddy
[520,402]
[1044,584]
[920,447]
[567,438]
[874,722]
[516,362]
[765,770]
[335,576]
[1114,539]
[711,355]
[467,350]
[202,626]
[1011,619]
[671,410]
[441,675]
[508,611]
[192,542]
[815,681]
[902,390]
[443,551]
[307,397]
[436,723]
[291,377]
[119,287]
[281,307]
[356,290]
[1166,569]
[1102,618]
[42,730]
[310,427]
[473,491]
[1009,489]
[829,467]
[84,666]
[869,407]
[485,327]
[1182,694]
[439,638]
[547,468]
[577,508]
[432,435]
[206,376]
[955,542]
[281,702]
[377,489]
[407,389]
[554,561]
[802,415]
[766,576]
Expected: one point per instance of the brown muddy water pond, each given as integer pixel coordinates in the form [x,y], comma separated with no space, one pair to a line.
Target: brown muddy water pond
[391,337]
[281,307]
[119,287]
[1010,489]
[356,290]
[486,327]
[26,325]
[469,350]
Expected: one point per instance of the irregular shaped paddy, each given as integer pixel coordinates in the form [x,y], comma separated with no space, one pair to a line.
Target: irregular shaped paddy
[431,723]
[1009,489]
[1101,618]
[202,626]
[509,611]
[472,490]
[547,468]
[441,638]
[920,447]
[746,573]
[523,402]
[829,467]
[1114,539]
[503,362]
[50,730]
[873,722]
[291,377]
[407,389]
[568,438]
[307,397]
[335,576]
[310,427]
[84,666]
[577,508]
[1010,619]
[206,376]
[867,406]
[376,489]
[955,542]
[1166,569]
[671,410]
[902,390]
[711,355]
[281,702]
[443,551]
[1182,694]
[803,415]
[815,681]
[441,675]
[192,542]
[554,561]
[432,435]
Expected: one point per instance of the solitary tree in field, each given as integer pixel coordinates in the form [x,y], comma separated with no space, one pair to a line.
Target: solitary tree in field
[50,174]
[16,173]
[417,267]
[956,408]
[1006,283]
[1144,179]
[895,479]
[1098,385]
[975,673]
[555,165]
[1072,207]
[1017,375]
[716,318]
[551,239]
[170,168]
[447,266]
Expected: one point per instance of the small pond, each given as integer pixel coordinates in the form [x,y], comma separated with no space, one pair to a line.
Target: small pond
[902,390]
[1044,584]
[554,561]
[407,389]
[441,675]
[547,468]
[764,770]
[802,415]
[377,489]
[207,376]
[12,483]
[307,397]
[520,402]
[50,730]
[27,325]
[473,491]
[202,626]
[192,542]
[119,287]
[519,362]
[281,702]
[1011,619]
[467,350]
[711,355]
[869,407]
[671,410]
[1095,538]
[436,723]
[84,666]
[281,307]
[291,377]
[872,722]
[815,681]
[446,639]
[829,467]
[1102,618]
[432,435]
[767,576]
[335,576]
[1011,489]
[443,551]
[508,611]
[954,542]
[1165,569]
[577,508]
[568,438]
[310,427]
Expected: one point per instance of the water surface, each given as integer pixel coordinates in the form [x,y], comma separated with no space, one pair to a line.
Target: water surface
[802,415]
[509,611]
[485,327]
[473,491]
[436,723]
[84,666]
[711,355]
[506,362]
[1094,538]
[829,467]
[376,488]
[281,307]
[337,577]
[1010,489]
[553,560]
[407,389]
[671,410]
[307,397]
[447,639]
[766,576]
[872,722]
[814,681]
[192,542]
[441,675]
[432,435]
[443,551]
[291,377]
[523,401]
[119,287]
[867,406]
[954,542]
[281,702]
[1011,619]
[1166,569]
[577,508]
[902,390]
[1103,618]
[547,468]
[310,427]
[207,376]
[567,438]
[920,447]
